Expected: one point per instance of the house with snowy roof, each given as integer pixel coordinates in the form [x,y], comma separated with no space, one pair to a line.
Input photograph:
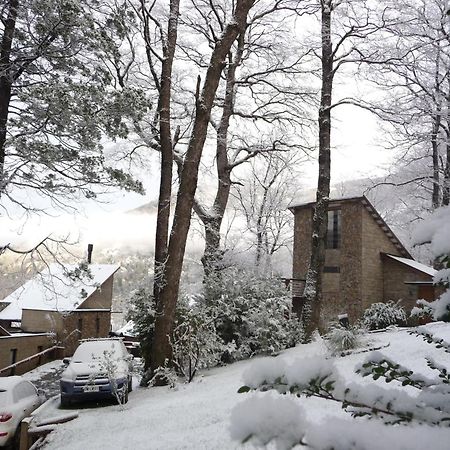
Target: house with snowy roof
[365,262]
[69,303]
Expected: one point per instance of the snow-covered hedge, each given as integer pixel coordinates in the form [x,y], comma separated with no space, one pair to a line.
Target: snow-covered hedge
[436,230]
[381,315]
[265,417]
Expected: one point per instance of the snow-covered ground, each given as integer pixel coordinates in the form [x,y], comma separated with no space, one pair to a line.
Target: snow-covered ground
[197,415]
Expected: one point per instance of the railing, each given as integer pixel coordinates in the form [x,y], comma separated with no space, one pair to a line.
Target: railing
[14,366]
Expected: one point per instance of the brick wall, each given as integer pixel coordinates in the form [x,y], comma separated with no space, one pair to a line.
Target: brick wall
[89,322]
[395,275]
[25,346]
[375,241]
[351,256]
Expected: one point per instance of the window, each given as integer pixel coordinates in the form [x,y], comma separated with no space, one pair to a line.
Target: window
[97,326]
[331,269]
[334,229]
[13,354]
[80,324]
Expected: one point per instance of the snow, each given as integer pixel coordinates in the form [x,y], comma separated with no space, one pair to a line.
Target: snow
[127,329]
[435,229]
[414,264]
[198,415]
[53,290]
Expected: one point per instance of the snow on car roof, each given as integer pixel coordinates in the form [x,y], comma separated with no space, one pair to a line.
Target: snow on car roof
[95,348]
[55,290]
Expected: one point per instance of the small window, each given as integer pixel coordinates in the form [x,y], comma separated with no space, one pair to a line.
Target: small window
[331,269]
[97,326]
[334,229]
[80,324]
[13,356]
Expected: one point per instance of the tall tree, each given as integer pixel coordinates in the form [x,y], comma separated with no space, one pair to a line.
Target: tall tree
[261,93]
[414,107]
[171,272]
[346,27]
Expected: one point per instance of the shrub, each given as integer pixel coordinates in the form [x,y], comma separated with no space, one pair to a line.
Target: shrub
[340,339]
[381,315]
[251,312]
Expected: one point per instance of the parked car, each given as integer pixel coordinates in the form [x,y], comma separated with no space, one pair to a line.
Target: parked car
[18,399]
[99,368]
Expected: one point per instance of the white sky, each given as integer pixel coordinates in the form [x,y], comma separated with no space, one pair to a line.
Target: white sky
[354,155]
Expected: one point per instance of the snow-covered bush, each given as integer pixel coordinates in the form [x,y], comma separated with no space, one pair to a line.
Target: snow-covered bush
[436,230]
[380,315]
[429,407]
[142,314]
[251,312]
[195,342]
[238,316]
[340,339]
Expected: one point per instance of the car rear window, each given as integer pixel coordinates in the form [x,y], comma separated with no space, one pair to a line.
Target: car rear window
[23,390]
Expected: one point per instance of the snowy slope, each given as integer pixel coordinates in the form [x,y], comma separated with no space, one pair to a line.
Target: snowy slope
[197,416]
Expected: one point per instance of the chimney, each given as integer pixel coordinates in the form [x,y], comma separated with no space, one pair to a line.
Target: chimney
[89,255]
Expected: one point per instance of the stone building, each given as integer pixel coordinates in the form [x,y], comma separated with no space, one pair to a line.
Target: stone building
[365,262]
[56,308]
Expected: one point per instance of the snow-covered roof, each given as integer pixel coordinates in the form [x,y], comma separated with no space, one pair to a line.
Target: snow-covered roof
[311,199]
[54,290]
[127,329]
[414,264]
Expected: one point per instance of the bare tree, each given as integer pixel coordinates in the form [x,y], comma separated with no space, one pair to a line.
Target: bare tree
[263,197]
[345,29]
[415,109]
[171,272]
[260,91]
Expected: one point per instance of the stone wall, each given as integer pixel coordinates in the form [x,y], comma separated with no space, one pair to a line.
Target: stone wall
[93,324]
[395,275]
[354,276]
[24,346]
[374,242]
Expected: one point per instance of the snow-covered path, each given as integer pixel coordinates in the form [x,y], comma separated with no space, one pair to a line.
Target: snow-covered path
[196,416]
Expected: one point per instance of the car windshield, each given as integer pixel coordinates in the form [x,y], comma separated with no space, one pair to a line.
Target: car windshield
[89,351]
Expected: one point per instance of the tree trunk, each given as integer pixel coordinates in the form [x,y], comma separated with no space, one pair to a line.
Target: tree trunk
[6,81]
[446,184]
[313,285]
[435,199]
[161,348]
[212,256]
[166,145]
[436,118]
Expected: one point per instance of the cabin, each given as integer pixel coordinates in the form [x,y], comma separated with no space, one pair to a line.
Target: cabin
[56,308]
[365,262]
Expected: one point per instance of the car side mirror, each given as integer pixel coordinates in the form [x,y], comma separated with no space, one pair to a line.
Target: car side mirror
[66,361]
